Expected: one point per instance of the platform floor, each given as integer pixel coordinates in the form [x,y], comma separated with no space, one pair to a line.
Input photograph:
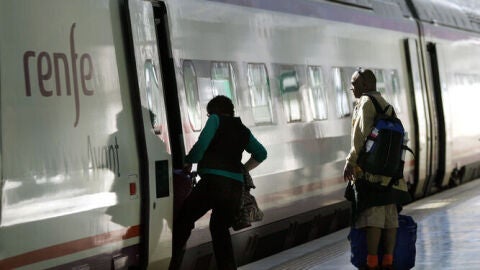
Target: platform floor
[448,237]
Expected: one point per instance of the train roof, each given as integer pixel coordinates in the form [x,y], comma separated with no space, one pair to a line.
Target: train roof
[456,14]
[385,8]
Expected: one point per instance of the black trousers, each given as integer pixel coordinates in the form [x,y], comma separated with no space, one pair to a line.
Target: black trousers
[222,196]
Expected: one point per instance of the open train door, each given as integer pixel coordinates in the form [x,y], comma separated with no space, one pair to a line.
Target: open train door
[157,178]
[428,117]
[421,117]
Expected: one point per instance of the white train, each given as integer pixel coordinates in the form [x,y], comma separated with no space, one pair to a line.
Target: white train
[100,100]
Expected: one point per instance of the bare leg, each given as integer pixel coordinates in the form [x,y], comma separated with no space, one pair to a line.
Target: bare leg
[373,239]
[389,239]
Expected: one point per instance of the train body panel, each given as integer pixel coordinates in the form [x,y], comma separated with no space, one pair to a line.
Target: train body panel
[90,133]
[457,70]
[306,156]
[70,157]
[445,42]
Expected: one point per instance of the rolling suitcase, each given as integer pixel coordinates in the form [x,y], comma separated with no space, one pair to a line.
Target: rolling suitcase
[405,251]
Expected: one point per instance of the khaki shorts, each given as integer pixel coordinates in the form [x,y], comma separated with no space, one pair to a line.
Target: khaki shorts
[384,217]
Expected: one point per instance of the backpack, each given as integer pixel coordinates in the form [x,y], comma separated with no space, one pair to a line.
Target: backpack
[384,149]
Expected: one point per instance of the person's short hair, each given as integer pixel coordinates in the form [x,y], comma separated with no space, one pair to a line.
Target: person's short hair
[368,77]
[220,105]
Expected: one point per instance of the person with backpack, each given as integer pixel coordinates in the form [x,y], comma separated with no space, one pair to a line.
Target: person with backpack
[376,195]
[218,153]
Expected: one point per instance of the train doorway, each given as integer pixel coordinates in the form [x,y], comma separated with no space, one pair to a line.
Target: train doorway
[428,119]
[437,131]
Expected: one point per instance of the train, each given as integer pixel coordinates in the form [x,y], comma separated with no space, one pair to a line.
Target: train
[100,100]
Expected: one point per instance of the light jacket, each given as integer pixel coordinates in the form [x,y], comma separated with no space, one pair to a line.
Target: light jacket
[362,124]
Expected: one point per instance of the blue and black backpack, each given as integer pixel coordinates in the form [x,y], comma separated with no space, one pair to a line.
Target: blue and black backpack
[383,152]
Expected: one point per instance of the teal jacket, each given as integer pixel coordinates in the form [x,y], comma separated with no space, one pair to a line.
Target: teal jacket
[255,148]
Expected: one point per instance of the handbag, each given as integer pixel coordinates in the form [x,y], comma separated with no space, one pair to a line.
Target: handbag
[360,193]
[349,192]
[248,211]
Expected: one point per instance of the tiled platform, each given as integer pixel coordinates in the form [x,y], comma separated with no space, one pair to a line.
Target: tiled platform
[448,237]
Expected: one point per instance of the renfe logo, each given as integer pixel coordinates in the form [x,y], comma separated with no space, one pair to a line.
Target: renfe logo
[44,73]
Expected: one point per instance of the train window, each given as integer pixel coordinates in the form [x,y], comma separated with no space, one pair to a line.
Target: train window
[381,86]
[342,81]
[289,87]
[388,85]
[223,80]
[394,85]
[191,92]
[259,88]
[316,94]
[154,100]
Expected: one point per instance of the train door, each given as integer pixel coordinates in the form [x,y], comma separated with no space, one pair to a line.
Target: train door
[170,85]
[421,117]
[157,189]
[438,133]
[429,119]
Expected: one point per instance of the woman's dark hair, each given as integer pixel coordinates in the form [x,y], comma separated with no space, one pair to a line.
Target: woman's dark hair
[220,105]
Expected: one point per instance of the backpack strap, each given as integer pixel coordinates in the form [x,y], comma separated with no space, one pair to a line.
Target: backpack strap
[378,108]
[409,150]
